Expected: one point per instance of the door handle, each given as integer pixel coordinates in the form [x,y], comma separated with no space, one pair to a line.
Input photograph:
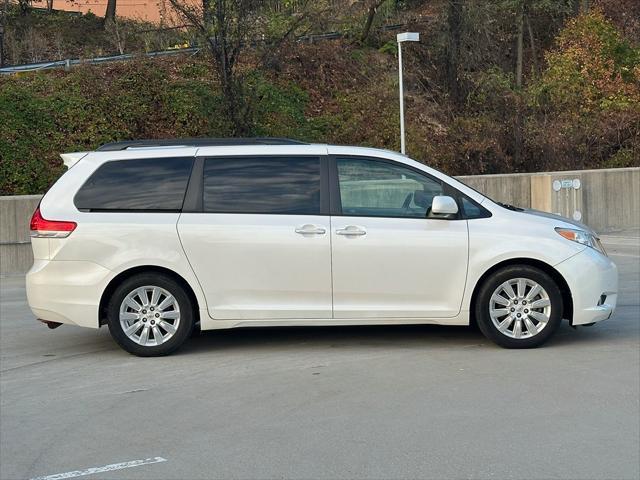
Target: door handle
[310,229]
[351,230]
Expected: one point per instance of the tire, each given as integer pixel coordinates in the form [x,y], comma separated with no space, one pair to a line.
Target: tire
[168,317]
[513,320]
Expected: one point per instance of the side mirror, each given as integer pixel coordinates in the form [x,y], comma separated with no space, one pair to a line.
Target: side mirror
[444,205]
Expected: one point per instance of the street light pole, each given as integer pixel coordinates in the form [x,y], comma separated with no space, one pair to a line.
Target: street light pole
[403,37]
[402,146]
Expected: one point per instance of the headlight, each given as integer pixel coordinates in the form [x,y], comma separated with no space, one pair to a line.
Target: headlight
[582,237]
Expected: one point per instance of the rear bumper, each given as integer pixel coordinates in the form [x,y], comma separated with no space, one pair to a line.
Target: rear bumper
[66,291]
[593,281]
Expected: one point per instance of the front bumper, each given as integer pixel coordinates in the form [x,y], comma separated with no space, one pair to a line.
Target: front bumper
[66,291]
[593,281]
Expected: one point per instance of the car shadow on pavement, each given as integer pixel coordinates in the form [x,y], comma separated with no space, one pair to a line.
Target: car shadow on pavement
[393,337]
[398,336]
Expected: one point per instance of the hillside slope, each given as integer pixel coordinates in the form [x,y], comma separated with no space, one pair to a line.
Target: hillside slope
[579,107]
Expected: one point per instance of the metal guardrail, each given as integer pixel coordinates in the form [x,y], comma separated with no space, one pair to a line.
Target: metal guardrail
[68,63]
[77,61]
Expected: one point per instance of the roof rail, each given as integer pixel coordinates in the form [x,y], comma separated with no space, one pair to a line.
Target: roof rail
[196,142]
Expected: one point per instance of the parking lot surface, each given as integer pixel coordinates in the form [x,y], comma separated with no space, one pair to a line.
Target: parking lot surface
[320,403]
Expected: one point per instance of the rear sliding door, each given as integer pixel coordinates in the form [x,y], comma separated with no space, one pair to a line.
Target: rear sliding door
[259,238]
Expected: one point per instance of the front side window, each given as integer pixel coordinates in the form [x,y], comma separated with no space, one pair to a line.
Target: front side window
[374,188]
[269,185]
[472,210]
[149,184]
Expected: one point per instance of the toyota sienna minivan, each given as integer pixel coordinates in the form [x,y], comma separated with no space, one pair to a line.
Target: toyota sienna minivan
[156,238]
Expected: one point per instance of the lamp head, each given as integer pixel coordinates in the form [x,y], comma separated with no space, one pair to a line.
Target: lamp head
[408,37]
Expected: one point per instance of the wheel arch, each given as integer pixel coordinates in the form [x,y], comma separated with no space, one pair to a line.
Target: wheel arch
[567,299]
[122,276]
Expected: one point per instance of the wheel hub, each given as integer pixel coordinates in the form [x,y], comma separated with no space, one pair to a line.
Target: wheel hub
[520,308]
[149,315]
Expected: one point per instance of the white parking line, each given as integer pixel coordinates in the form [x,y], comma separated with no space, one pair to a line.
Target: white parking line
[106,468]
[617,254]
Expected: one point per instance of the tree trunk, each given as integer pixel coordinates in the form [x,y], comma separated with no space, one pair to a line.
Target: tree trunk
[519,48]
[207,15]
[454,20]
[24,6]
[373,8]
[110,13]
[517,127]
[225,26]
[534,52]
[49,6]
[2,56]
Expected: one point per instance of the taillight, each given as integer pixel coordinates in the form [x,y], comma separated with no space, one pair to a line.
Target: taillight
[43,228]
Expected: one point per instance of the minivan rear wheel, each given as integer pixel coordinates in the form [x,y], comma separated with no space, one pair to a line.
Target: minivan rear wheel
[150,314]
[519,306]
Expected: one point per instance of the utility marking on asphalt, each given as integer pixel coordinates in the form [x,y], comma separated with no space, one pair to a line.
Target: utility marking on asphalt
[106,468]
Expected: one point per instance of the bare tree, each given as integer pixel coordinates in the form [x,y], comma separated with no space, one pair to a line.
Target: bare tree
[2,56]
[227,28]
[24,6]
[110,13]
[454,21]
[532,42]
[373,6]
[517,127]
[116,35]
[4,8]
[520,42]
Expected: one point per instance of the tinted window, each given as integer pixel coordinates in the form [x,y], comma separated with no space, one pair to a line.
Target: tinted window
[144,184]
[473,210]
[381,189]
[279,185]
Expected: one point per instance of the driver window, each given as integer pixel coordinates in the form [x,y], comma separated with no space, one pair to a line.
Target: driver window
[374,188]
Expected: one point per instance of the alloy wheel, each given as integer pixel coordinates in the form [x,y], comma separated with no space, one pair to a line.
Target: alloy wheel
[520,308]
[149,315]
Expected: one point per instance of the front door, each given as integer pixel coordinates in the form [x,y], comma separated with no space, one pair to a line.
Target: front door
[260,246]
[390,260]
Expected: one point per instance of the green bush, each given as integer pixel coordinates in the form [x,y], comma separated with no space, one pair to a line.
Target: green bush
[45,114]
[579,110]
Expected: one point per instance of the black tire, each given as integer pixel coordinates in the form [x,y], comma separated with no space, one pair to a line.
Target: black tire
[184,326]
[495,280]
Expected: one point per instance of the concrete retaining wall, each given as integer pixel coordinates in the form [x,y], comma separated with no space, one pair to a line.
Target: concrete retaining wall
[606,200]
[15,244]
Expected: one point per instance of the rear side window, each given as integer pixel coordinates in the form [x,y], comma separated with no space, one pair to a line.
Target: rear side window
[270,185]
[149,184]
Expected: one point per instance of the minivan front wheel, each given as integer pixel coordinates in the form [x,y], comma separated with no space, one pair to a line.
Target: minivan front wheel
[519,307]
[150,314]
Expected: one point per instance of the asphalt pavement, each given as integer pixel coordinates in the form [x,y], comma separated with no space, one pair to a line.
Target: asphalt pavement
[322,403]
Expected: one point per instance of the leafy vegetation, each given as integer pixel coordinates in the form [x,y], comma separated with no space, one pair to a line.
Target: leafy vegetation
[42,36]
[574,101]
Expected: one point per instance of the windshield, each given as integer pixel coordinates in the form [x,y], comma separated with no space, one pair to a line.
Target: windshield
[503,205]
[475,190]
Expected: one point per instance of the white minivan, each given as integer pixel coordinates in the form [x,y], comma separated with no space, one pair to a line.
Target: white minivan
[156,238]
